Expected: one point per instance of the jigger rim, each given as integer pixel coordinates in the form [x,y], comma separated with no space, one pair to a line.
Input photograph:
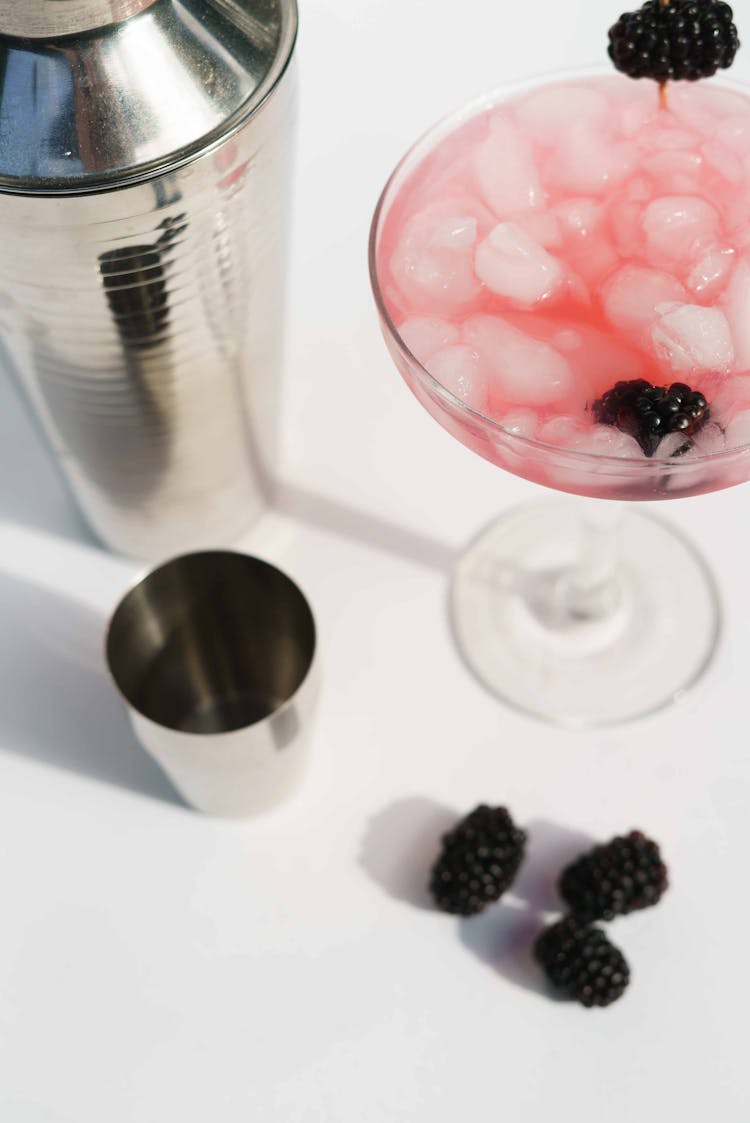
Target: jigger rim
[151,570]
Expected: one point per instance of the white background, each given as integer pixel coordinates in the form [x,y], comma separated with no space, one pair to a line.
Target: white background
[159,966]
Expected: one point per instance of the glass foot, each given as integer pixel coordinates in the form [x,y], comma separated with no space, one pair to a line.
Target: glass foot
[644,639]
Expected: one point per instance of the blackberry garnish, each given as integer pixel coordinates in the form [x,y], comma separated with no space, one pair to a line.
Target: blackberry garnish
[480,857]
[626,874]
[649,412]
[580,960]
[681,39]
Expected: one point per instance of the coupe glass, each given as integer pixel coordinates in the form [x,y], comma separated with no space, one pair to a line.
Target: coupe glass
[581,612]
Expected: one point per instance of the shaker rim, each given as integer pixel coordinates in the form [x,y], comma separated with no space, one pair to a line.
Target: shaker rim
[96,182]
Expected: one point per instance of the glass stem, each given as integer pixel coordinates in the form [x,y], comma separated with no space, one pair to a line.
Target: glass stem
[592,588]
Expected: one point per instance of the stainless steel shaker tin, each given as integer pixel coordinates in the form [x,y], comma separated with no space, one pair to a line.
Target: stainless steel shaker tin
[143,211]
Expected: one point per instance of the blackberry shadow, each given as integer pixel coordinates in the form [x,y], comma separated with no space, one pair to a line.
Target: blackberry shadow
[400,846]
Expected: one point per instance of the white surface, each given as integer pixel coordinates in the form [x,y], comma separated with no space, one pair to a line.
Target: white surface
[156,965]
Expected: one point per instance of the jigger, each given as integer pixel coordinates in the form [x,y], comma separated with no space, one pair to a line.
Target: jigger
[214,655]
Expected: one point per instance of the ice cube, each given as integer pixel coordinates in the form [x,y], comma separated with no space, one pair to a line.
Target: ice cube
[576,289]
[514,266]
[458,233]
[568,340]
[639,189]
[738,431]
[676,171]
[734,132]
[638,107]
[424,335]
[736,215]
[594,355]
[433,261]
[736,303]
[506,173]
[709,439]
[456,368]
[673,444]
[587,163]
[715,101]
[664,139]
[724,161]
[606,440]
[547,113]
[699,105]
[710,271]
[455,203]
[730,399]
[631,295]
[676,226]
[542,226]
[521,370]
[740,236]
[564,431]
[626,222]
[691,338]
[578,216]
[522,423]
[593,260]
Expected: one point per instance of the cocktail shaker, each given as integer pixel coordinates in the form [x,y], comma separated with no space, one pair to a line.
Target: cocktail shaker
[145,151]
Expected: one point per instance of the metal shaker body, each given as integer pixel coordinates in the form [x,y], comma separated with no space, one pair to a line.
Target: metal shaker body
[142,266]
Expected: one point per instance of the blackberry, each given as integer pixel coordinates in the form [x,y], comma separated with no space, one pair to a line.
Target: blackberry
[579,960]
[682,39]
[480,857]
[649,412]
[626,874]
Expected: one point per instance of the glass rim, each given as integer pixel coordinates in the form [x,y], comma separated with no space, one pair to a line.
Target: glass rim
[420,148]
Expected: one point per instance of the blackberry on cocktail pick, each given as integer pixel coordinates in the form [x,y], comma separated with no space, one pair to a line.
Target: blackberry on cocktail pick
[687,39]
[579,960]
[649,412]
[624,875]
[478,861]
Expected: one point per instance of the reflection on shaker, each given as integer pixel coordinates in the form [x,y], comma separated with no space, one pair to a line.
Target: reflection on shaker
[120,422]
[136,288]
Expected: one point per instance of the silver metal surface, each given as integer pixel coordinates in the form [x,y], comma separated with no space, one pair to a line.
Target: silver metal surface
[141,280]
[37,19]
[214,655]
[137,97]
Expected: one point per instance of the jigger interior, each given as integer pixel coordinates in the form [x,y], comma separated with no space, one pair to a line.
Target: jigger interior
[211,642]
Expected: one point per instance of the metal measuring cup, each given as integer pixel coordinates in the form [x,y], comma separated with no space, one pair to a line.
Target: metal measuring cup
[214,655]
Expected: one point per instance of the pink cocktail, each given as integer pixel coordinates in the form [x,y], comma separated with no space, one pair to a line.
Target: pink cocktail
[563,277]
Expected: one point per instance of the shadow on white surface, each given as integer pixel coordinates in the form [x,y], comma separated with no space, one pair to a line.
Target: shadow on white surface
[503,938]
[400,846]
[337,518]
[15,1111]
[32,491]
[57,705]
[549,848]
